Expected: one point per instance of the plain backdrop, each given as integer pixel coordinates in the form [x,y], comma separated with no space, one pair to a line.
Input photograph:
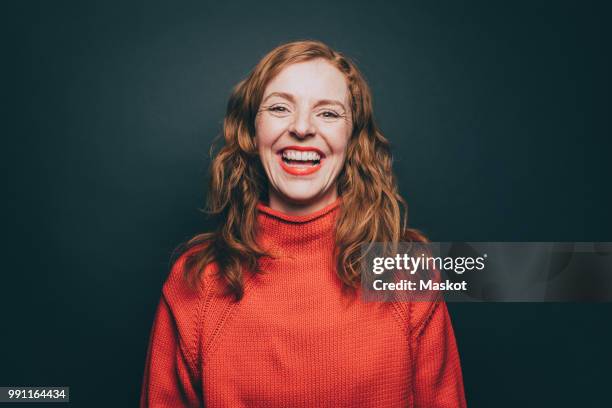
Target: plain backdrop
[499,117]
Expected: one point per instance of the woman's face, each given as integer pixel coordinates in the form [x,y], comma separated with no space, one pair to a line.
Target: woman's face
[302,130]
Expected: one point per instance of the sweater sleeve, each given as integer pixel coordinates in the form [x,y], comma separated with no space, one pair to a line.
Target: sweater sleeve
[172,376]
[438,381]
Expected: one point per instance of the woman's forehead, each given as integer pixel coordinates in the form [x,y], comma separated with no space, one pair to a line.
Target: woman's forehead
[310,80]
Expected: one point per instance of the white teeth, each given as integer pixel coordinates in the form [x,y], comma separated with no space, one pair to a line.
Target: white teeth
[299,155]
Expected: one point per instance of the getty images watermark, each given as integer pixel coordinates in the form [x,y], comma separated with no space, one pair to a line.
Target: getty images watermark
[488,271]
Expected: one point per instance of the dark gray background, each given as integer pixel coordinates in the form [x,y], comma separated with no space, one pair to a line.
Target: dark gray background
[499,117]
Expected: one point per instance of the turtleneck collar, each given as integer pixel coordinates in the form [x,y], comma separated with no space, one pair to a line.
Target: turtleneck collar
[279,232]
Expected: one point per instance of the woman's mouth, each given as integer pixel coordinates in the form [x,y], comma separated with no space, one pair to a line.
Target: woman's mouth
[300,161]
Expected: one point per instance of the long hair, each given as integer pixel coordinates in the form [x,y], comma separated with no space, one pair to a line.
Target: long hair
[238,182]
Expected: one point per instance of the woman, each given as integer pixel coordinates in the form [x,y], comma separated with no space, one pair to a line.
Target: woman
[265,311]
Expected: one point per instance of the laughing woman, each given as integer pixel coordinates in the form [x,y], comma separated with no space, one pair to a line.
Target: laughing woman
[266,310]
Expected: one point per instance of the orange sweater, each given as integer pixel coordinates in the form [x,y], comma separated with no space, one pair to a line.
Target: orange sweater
[295,340]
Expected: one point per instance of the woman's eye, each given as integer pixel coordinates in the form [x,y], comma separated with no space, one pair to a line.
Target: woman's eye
[330,114]
[278,109]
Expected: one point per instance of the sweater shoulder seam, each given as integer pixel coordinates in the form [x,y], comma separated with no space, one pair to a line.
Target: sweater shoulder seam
[420,326]
[196,354]
[209,346]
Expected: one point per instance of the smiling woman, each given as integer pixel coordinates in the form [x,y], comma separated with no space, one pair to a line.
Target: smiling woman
[302,130]
[266,310]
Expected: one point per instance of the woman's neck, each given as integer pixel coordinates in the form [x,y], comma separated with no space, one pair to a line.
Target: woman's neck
[284,205]
[289,235]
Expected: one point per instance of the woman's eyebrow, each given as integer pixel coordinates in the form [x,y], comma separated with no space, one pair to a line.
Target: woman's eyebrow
[283,95]
[290,98]
[330,102]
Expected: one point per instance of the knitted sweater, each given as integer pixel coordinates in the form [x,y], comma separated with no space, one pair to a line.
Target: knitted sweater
[296,339]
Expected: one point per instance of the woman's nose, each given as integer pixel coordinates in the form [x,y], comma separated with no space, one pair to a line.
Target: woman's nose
[302,127]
